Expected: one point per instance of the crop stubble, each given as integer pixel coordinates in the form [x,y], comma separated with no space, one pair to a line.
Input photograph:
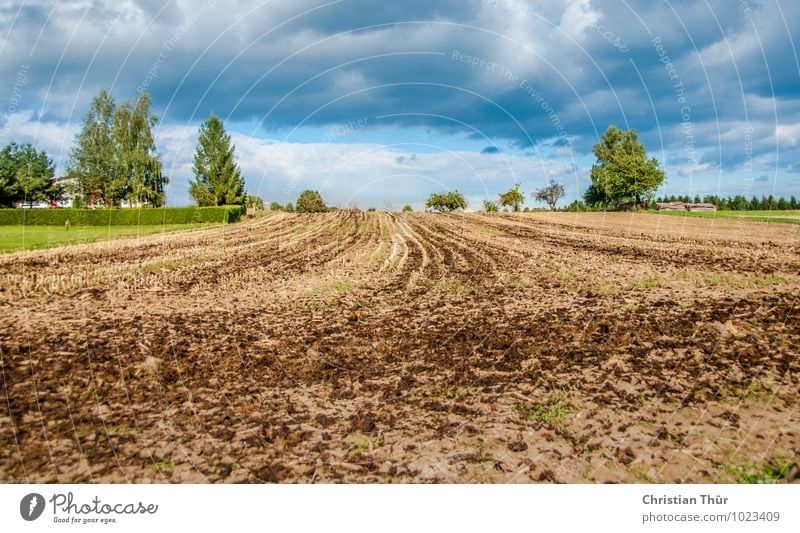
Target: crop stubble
[386,347]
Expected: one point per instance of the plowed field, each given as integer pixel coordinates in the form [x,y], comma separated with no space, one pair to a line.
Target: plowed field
[378,347]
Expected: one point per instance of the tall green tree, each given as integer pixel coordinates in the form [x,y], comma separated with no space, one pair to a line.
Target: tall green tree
[93,157]
[114,157]
[26,175]
[623,171]
[138,168]
[513,198]
[218,180]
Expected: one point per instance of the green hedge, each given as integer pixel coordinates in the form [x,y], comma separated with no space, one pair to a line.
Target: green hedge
[145,216]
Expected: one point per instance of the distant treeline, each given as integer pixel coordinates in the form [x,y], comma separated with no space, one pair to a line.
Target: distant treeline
[738,202]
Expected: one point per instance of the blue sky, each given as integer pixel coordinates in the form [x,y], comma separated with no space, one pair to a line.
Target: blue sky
[380,103]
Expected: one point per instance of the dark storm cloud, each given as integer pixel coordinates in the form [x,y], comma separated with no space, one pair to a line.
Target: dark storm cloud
[545,70]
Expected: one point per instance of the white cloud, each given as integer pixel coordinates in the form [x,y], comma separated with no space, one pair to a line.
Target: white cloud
[370,175]
[52,137]
[788,134]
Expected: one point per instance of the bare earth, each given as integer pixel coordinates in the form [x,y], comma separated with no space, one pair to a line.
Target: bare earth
[405,348]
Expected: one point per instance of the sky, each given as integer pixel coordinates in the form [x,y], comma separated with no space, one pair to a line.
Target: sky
[378,104]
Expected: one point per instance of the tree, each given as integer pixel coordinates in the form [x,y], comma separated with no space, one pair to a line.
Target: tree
[289,207]
[254,201]
[310,202]
[114,157]
[740,203]
[407,209]
[26,175]
[490,206]
[595,197]
[513,198]
[93,159]
[551,193]
[218,180]
[577,206]
[623,171]
[138,172]
[446,202]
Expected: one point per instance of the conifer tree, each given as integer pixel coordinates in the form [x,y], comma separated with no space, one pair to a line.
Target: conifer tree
[218,180]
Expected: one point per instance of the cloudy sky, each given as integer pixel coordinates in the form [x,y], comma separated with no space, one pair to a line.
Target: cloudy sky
[380,103]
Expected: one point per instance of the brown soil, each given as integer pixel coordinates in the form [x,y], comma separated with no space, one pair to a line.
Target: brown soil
[405,348]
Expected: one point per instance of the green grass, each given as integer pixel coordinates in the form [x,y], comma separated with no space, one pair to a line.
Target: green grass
[342,286]
[757,392]
[14,238]
[164,464]
[555,413]
[120,430]
[790,216]
[455,287]
[717,279]
[648,282]
[771,472]
[363,442]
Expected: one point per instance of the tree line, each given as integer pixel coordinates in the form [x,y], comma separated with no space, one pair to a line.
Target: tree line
[622,173]
[738,202]
[512,200]
[114,163]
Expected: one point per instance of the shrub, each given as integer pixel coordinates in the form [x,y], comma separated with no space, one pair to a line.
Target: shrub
[446,202]
[490,206]
[310,202]
[407,209]
[513,198]
[578,206]
[145,216]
